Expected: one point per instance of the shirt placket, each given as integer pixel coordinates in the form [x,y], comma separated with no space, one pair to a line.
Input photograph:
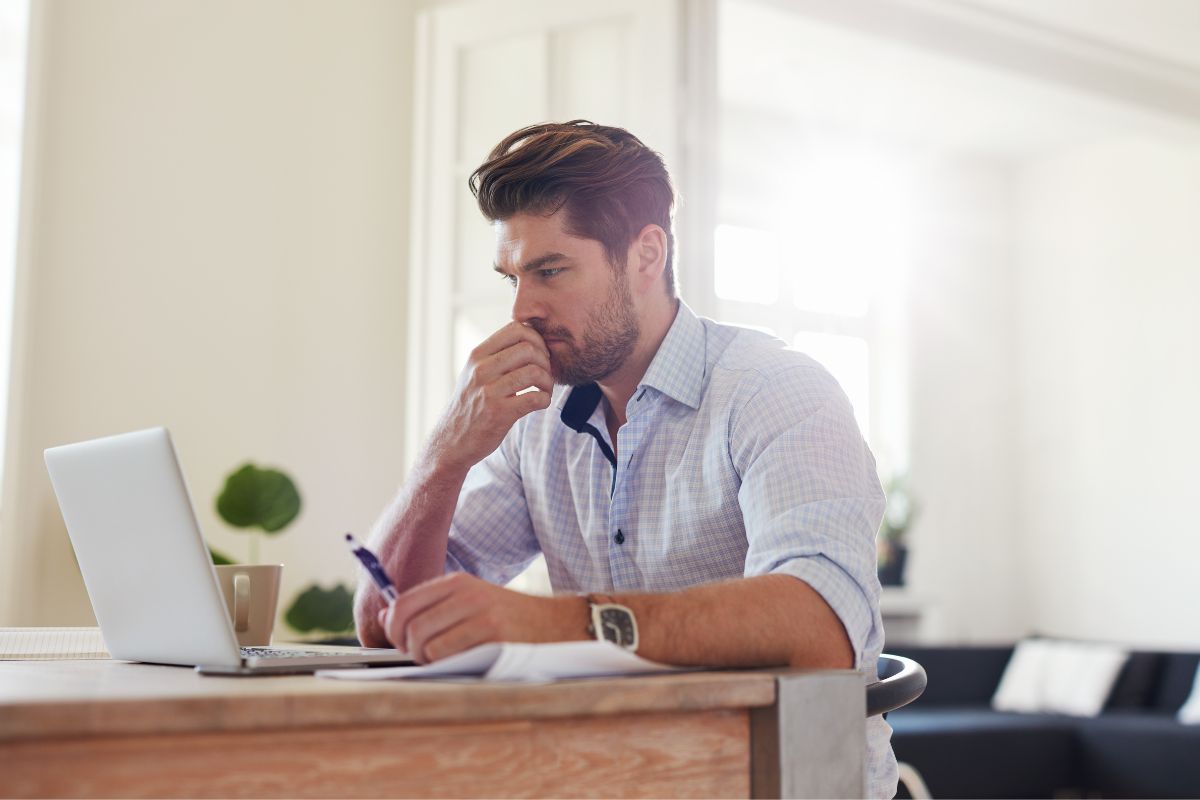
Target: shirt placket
[622,536]
[604,481]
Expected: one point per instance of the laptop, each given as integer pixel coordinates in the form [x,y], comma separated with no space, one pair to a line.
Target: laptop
[148,570]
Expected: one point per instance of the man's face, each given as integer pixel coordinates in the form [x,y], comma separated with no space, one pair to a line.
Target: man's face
[565,288]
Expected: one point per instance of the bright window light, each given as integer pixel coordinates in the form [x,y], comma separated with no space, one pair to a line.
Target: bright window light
[852,213]
[846,357]
[746,263]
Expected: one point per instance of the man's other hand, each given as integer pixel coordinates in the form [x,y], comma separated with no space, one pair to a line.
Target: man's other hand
[486,403]
[456,612]
[368,607]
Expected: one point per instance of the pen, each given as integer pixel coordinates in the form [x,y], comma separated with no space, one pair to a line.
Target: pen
[374,568]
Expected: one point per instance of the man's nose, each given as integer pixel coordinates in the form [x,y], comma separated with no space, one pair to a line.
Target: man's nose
[527,305]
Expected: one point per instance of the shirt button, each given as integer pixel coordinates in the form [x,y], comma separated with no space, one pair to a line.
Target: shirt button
[620,537]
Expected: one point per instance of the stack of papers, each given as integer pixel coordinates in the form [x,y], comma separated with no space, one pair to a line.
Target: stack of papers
[510,661]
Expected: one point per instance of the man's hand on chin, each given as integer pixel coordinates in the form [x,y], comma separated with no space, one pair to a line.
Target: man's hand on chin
[490,396]
[456,612]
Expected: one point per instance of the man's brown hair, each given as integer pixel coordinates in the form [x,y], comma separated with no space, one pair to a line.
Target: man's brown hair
[609,182]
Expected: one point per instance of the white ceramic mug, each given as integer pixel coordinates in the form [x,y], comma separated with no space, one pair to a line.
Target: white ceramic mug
[251,597]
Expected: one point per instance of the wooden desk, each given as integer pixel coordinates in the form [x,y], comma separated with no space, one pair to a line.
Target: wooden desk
[110,728]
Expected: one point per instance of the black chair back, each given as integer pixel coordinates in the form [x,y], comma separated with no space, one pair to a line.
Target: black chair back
[901,680]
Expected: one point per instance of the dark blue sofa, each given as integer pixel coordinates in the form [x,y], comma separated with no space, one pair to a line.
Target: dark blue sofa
[962,748]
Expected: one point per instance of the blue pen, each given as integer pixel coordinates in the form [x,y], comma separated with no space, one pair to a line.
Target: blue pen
[374,568]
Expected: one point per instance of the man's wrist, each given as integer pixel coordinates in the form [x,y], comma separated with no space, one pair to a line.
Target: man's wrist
[571,619]
[443,467]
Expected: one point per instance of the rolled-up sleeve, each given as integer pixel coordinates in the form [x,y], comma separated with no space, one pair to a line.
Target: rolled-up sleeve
[810,495]
[492,535]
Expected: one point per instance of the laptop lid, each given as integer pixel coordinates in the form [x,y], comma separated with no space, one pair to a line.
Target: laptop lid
[144,561]
[147,568]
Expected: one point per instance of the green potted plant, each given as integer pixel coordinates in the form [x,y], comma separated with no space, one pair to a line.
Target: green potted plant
[891,543]
[265,501]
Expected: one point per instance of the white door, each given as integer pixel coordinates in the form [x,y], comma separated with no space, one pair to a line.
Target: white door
[485,69]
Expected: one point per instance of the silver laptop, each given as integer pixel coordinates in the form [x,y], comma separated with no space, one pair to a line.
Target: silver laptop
[148,570]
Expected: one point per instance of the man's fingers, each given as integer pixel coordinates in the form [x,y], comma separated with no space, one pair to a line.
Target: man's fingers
[385,621]
[532,401]
[436,620]
[414,601]
[523,378]
[509,335]
[511,359]
[457,639]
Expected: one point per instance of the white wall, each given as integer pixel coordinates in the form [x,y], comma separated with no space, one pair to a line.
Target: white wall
[218,244]
[1055,381]
[963,566]
[1109,377]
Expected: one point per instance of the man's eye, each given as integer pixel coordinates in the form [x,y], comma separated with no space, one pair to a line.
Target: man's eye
[549,272]
[511,280]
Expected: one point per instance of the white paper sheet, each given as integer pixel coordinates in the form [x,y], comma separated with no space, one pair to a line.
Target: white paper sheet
[519,662]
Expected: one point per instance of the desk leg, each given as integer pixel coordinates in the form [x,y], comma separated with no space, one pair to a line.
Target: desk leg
[812,742]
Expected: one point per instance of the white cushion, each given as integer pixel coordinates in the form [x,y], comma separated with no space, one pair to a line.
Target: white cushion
[1045,675]
[1020,687]
[1189,712]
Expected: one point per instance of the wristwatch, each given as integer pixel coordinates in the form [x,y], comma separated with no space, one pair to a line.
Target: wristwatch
[612,622]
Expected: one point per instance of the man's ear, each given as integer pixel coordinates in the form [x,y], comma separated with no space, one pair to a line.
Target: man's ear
[647,256]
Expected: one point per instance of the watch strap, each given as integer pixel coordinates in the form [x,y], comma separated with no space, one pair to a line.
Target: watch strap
[594,600]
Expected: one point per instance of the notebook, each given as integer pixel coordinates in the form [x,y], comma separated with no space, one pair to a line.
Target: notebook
[147,568]
[51,644]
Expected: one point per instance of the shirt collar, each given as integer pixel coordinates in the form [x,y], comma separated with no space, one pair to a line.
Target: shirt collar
[677,370]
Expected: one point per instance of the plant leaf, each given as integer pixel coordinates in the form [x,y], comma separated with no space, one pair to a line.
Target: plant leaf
[258,498]
[317,609]
[220,558]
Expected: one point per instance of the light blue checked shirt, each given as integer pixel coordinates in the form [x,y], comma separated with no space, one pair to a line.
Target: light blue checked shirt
[738,458]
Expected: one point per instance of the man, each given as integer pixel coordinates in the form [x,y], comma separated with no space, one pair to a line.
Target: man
[701,495]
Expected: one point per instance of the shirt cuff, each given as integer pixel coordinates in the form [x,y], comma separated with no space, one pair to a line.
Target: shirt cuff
[840,591]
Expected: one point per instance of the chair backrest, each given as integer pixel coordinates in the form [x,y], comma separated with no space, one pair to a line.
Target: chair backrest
[901,680]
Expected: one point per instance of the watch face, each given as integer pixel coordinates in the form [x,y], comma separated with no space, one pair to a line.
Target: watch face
[616,625]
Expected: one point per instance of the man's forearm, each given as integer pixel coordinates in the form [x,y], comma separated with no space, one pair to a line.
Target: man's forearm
[763,621]
[410,538]
[772,620]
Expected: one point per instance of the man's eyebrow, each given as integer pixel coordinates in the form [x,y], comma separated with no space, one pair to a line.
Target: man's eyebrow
[537,263]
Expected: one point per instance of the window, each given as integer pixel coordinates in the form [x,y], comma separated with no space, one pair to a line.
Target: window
[814,250]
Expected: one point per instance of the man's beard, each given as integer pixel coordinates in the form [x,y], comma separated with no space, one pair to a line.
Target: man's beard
[608,340]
